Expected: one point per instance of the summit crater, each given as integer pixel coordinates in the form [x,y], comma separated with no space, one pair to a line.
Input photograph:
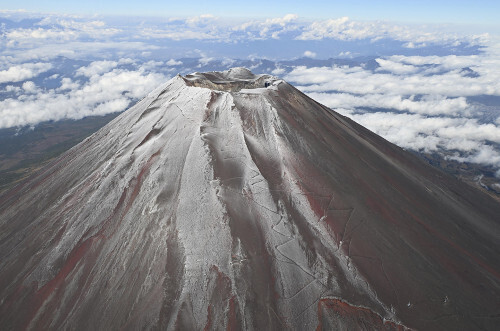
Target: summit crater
[232,80]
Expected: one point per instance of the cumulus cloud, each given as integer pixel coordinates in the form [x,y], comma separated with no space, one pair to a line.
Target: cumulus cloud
[57,30]
[173,62]
[77,50]
[63,34]
[278,71]
[61,29]
[345,29]
[332,28]
[24,35]
[87,28]
[282,21]
[29,87]
[204,58]
[200,20]
[485,155]
[202,27]
[396,67]
[269,28]
[96,68]
[68,36]
[227,62]
[309,54]
[416,102]
[103,93]
[24,71]
[68,84]
[12,88]
[450,83]
[426,105]
[436,134]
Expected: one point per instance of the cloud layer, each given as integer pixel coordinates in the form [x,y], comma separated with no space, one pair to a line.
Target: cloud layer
[18,73]
[104,90]
[425,89]
[420,103]
[48,36]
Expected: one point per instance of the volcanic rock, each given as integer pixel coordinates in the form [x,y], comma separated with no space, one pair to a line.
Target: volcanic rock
[228,200]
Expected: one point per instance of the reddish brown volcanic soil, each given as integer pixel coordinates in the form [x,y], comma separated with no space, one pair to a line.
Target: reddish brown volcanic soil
[233,201]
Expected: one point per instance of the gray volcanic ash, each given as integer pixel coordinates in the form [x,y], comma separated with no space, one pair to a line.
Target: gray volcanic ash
[229,200]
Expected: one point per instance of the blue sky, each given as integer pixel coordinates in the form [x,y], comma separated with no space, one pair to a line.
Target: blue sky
[423,11]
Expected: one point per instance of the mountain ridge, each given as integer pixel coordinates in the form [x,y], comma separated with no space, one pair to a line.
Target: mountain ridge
[248,208]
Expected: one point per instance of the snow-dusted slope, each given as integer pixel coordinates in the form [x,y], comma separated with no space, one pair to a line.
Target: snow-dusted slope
[233,201]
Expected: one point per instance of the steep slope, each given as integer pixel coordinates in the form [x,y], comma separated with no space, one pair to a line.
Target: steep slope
[221,202]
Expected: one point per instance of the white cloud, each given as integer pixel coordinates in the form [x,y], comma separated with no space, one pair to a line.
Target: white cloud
[57,30]
[96,68]
[485,155]
[417,36]
[203,27]
[270,28]
[29,87]
[427,105]
[25,35]
[281,21]
[177,34]
[23,71]
[432,134]
[12,88]
[64,29]
[68,84]
[423,100]
[92,28]
[201,20]
[424,97]
[396,67]
[332,28]
[173,62]
[278,71]
[13,11]
[448,62]
[227,62]
[309,54]
[360,81]
[77,50]
[151,65]
[204,58]
[103,93]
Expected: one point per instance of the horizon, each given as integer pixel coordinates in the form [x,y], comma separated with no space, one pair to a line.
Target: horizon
[478,13]
[426,87]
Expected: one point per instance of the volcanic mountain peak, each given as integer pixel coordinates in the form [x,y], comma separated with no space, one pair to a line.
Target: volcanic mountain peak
[232,200]
[232,80]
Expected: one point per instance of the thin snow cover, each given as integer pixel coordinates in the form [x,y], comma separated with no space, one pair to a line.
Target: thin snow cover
[180,159]
[232,199]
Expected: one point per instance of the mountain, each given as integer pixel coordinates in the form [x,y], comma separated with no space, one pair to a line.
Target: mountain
[24,150]
[232,200]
